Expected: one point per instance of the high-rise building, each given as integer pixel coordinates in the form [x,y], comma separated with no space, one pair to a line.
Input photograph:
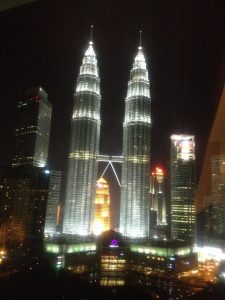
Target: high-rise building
[182,187]
[27,189]
[134,206]
[53,203]
[84,148]
[30,195]
[29,204]
[102,207]
[157,194]
[33,129]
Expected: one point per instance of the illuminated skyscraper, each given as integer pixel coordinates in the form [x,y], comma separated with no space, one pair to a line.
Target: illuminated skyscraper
[182,186]
[84,148]
[157,194]
[101,210]
[33,130]
[134,206]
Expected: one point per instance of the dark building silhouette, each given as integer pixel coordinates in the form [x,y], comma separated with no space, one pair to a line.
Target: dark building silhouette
[33,129]
[210,200]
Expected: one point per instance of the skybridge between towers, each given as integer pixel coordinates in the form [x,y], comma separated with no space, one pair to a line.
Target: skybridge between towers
[110,160]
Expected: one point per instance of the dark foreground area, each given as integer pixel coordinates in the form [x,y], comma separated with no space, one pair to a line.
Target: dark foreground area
[44,282]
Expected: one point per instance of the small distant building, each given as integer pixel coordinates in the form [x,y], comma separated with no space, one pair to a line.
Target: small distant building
[157,194]
[102,207]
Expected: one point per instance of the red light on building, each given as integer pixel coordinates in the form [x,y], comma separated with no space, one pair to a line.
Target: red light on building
[158,171]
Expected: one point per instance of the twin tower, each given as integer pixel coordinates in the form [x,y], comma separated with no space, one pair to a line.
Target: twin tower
[84,151]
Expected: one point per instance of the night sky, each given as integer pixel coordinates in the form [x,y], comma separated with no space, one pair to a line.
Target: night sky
[43,43]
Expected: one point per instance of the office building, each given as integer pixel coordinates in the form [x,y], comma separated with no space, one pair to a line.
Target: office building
[84,148]
[102,207]
[134,206]
[157,194]
[33,129]
[30,196]
[182,185]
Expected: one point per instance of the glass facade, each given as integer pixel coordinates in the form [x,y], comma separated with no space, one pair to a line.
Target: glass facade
[182,187]
[134,206]
[84,148]
[33,130]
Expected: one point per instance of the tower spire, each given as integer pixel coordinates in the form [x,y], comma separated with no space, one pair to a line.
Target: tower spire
[91,37]
[140,41]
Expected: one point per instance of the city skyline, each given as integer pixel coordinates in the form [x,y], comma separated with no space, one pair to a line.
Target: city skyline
[183,45]
[112,211]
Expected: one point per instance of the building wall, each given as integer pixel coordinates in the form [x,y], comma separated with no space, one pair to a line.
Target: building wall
[157,195]
[6,203]
[53,203]
[211,191]
[217,211]
[29,206]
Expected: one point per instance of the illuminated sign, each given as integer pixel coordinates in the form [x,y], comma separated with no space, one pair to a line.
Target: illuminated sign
[114,244]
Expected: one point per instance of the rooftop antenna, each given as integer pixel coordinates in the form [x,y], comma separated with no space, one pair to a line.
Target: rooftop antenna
[91,40]
[140,41]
